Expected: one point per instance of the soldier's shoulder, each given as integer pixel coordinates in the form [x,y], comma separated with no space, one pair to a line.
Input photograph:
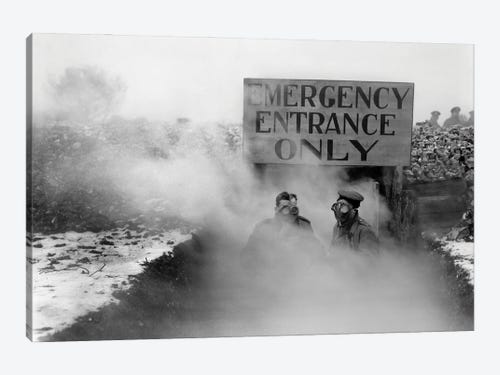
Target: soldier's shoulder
[304,223]
[365,229]
[303,219]
[263,227]
[364,224]
[362,221]
[264,223]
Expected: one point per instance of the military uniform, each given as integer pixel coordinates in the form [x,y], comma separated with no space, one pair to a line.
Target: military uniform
[275,242]
[451,121]
[454,119]
[279,230]
[351,231]
[433,121]
[357,236]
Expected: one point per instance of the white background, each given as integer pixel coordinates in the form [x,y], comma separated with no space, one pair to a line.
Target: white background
[419,21]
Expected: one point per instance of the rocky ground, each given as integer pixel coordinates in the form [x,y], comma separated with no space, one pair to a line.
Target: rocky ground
[75,273]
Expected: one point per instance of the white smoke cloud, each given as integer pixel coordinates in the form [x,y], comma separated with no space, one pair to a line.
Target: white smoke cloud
[203,178]
[84,94]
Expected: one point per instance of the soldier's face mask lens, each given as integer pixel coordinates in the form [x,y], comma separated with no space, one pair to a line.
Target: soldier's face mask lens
[287,208]
[341,210]
[340,207]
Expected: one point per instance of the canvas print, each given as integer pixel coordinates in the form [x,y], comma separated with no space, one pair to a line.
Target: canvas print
[208,187]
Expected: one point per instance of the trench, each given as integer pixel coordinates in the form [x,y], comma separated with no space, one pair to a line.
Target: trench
[200,289]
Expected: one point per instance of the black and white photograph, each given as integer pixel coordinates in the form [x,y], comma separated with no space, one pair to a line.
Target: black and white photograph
[196,187]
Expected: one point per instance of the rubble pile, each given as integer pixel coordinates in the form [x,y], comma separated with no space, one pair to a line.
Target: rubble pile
[440,154]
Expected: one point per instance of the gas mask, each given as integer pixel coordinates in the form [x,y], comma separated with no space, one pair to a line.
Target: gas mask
[343,211]
[288,209]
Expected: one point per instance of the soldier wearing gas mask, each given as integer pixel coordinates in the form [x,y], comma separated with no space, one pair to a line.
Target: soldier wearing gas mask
[351,231]
[287,211]
[286,235]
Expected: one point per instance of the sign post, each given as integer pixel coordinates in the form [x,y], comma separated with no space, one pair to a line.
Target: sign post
[320,122]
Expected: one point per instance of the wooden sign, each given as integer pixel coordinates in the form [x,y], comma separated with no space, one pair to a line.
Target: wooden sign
[359,123]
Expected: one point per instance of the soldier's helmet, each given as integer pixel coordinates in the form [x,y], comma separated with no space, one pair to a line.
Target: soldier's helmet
[351,196]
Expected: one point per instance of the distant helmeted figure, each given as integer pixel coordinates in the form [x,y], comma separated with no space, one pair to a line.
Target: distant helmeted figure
[351,231]
[433,121]
[454,118]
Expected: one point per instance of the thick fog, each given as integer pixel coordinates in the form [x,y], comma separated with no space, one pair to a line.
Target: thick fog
[197,172]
